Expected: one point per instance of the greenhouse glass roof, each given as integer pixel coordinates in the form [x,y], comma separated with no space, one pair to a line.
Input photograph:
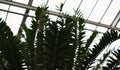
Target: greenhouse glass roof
[99,15]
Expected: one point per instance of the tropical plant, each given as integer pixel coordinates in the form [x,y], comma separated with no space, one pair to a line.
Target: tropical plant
[52,45]
[107,39]
[113,63]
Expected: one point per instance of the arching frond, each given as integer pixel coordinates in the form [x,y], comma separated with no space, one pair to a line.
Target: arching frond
[113,63]
[10,49]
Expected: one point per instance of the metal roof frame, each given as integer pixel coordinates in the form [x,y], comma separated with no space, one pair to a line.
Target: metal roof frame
[52,13]
[116,20]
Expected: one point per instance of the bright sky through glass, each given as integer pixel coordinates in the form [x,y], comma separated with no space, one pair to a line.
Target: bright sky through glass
[70,5]
[14,22]
[21,1]
[86,7]
[3,15]
[17,9]
[3,6]
[118,24]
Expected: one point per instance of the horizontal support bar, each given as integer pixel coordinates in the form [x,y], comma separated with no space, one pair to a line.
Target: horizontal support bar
[27,7]
[101,24]
[55,13]
[17,4]
[15,13]
[33,16]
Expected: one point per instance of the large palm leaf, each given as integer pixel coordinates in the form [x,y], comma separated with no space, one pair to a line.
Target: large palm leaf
[107,39]
[55,42]
[10,46]
[113,62]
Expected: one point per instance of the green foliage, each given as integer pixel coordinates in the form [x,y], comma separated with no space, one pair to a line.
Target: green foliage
[113,62]
[10,46]
[101,61]
[51,45]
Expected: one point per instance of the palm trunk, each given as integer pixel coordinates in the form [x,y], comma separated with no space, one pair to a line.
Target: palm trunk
[35,60]
[54,66]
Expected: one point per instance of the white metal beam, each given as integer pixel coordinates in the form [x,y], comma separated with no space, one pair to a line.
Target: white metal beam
[102,25]
[27,7]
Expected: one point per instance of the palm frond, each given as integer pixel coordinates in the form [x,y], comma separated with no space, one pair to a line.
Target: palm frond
[113,63]
[32,36]
[10,48]
[101,61]
[84,50]
[90,40]
[106,40]
[58,39]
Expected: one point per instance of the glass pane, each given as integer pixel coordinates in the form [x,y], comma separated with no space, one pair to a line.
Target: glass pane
[101,29]
[118,25]
[86,7]
[111,13]
[90,26]
[28,21]
[21,1]
[17,9]
[70,5]
[14,22]
[52,17]
[4,6]
[99,10]
[31,13]
[3,15]
[38,3]
[52,4]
